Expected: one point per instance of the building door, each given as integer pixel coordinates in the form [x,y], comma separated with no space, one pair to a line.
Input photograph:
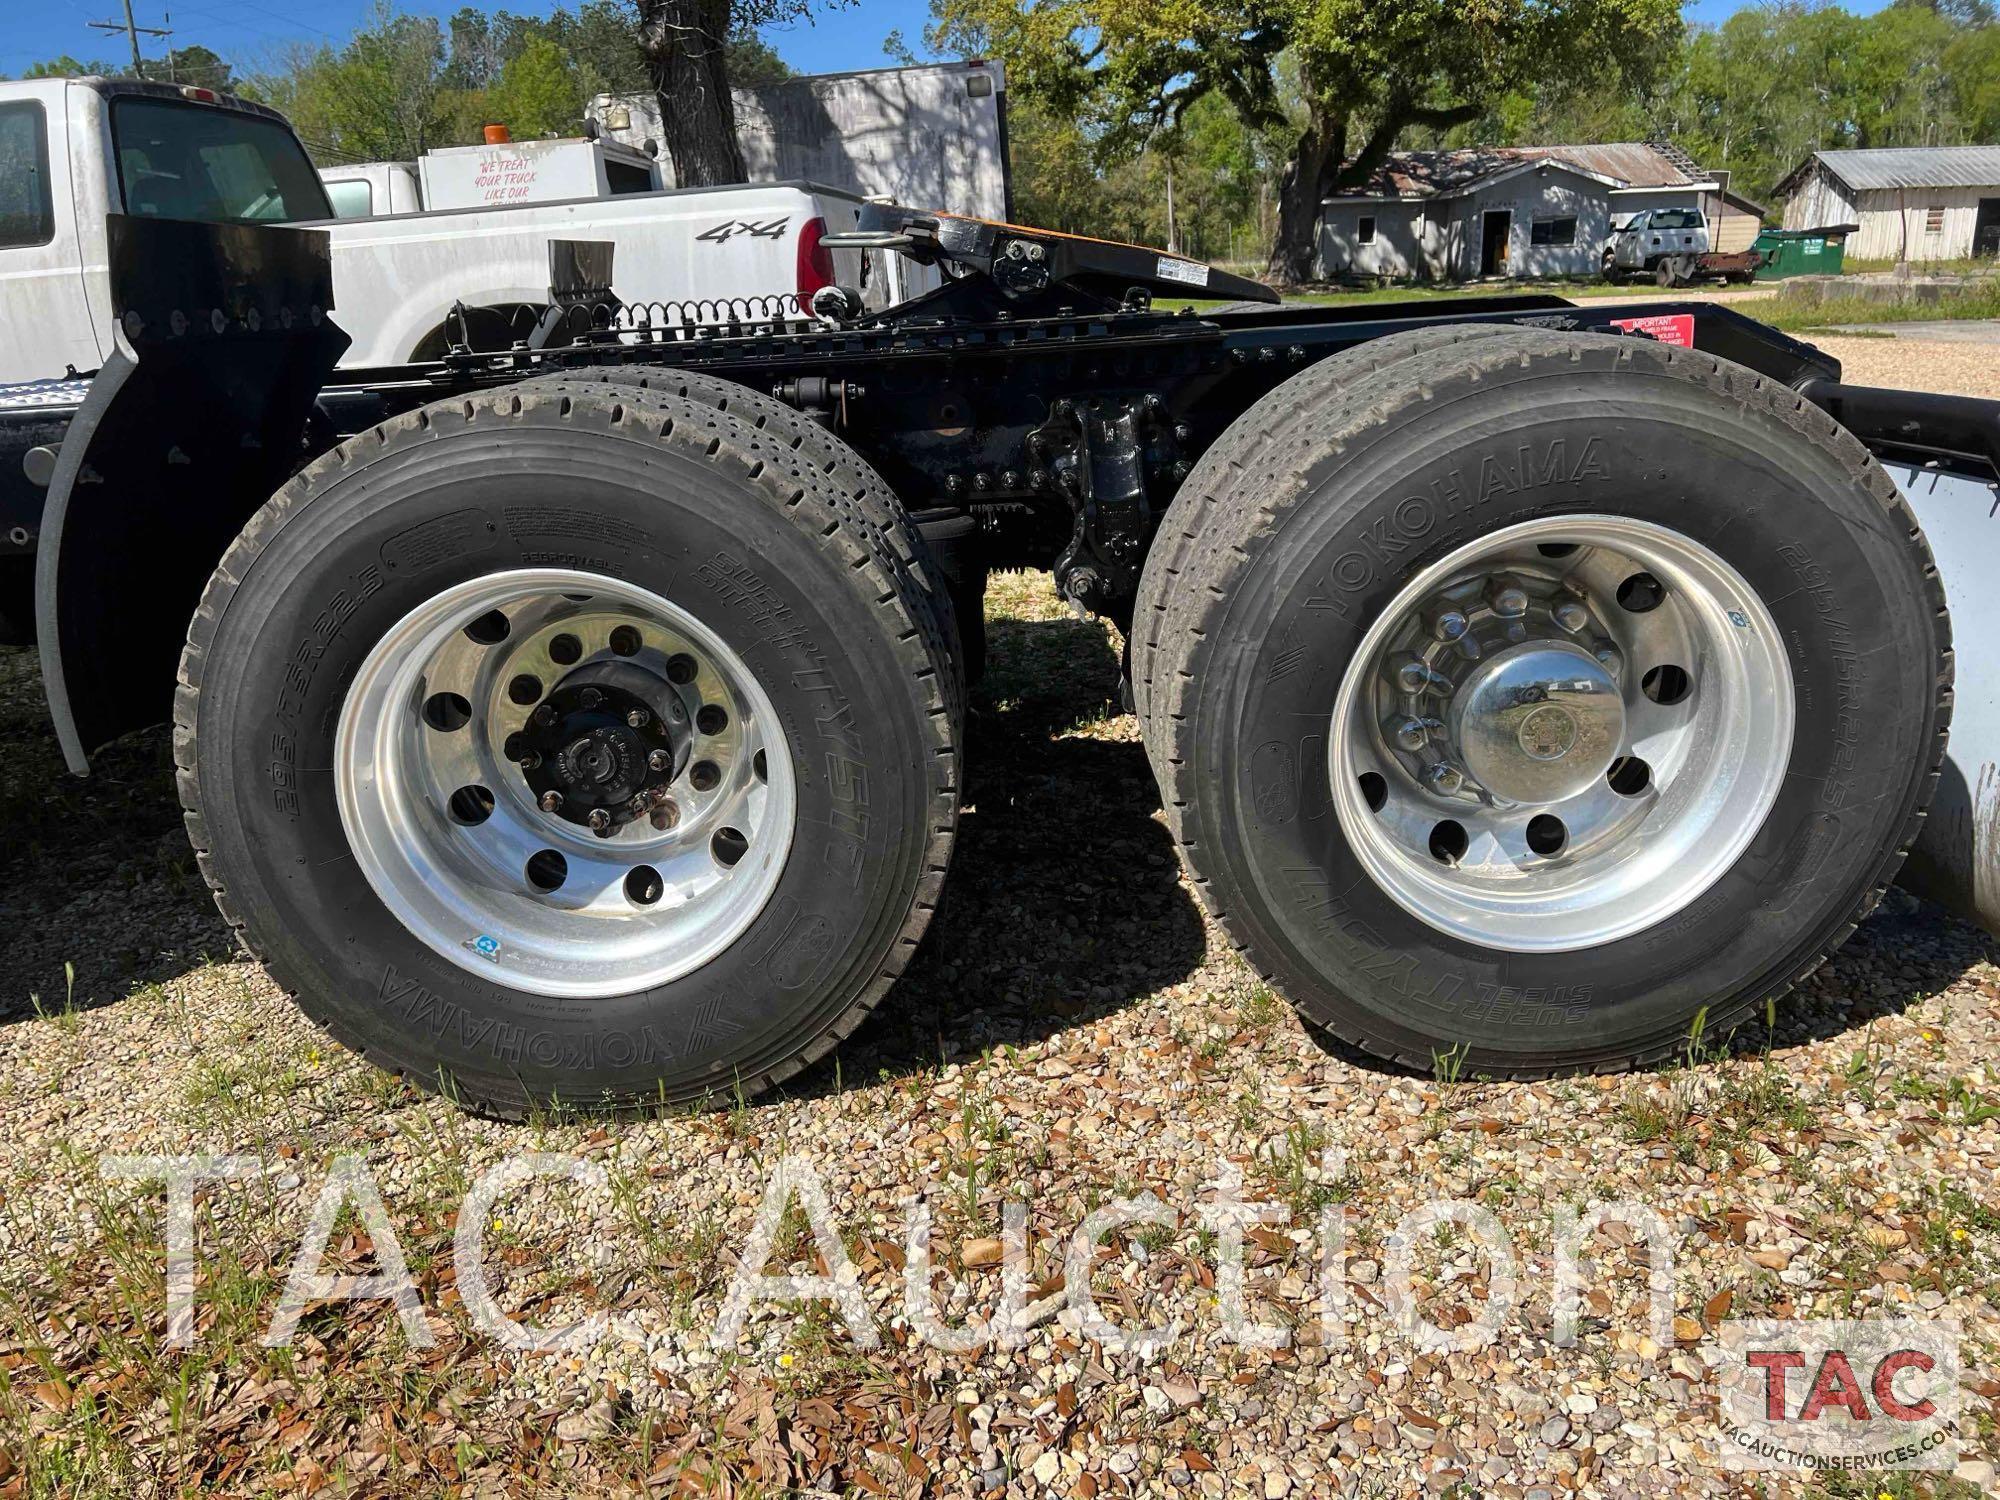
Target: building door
[1499,223]
[1986,228]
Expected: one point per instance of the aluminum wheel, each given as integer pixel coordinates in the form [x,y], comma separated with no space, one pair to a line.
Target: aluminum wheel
[564,782]
[1561,734]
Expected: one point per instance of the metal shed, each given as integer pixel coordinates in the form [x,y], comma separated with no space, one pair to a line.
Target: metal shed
[1912,203]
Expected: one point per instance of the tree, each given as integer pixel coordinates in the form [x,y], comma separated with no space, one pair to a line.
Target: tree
[537,94]
[688,44]
[382,96]
[196,65]
[1368,70]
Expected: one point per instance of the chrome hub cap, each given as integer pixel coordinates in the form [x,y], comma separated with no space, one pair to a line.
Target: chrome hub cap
[1562,733]
[564,783]
[1539,722]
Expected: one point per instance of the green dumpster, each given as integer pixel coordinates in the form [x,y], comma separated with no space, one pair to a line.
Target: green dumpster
[1802,252]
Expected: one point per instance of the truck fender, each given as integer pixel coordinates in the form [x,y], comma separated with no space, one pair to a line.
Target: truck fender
[1956,859]
[222,341]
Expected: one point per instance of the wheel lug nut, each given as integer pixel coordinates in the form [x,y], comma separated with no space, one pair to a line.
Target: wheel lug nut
[666,813]
[1612,658]
[1509,601]
[1410,674]
[1410,733]
[1571,615]
[545,715]
[551,802]
[1448,625]
[638,718]
[1443,779]
[529,759]
[659,760]
[600,821]
[589,698]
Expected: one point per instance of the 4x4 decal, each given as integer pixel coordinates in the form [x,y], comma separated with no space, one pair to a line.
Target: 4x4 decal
[723,232]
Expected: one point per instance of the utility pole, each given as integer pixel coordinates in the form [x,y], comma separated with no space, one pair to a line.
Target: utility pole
[132,29]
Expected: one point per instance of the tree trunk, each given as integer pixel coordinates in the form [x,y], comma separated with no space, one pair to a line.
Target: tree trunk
[1308,177]
[686,48]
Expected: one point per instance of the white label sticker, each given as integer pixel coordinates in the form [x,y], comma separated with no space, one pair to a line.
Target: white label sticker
[1190,272]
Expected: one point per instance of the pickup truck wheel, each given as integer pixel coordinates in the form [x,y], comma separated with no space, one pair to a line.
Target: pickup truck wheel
[1504,726]
[555,747]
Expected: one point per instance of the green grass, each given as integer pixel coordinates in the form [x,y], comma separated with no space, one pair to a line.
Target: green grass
[1962,266]
[1795,314]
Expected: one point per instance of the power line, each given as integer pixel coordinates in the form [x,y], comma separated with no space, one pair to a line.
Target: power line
[132,29]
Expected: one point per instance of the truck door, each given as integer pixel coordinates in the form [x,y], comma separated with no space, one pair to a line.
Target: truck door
[47,325]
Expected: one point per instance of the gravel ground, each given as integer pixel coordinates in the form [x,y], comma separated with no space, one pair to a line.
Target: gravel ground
[1955,368]
[1074,1034]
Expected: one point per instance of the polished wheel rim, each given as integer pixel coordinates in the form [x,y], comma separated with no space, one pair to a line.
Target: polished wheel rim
[1562,733]
[564,783]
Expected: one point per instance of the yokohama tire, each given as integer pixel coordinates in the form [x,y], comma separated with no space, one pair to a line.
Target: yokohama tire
[668,497]
[1220,477]
[1361,492]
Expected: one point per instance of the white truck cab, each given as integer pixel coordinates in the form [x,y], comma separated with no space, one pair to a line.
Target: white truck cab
[365,189]
[1653,235]
[73,149]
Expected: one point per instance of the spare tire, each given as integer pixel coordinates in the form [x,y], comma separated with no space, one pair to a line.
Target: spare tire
[1548,697]
[553,747]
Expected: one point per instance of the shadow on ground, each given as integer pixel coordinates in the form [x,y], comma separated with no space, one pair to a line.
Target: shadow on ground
[1064,901]
[95,872]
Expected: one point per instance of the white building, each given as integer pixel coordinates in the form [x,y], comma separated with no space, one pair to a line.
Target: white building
[1527,211]
[1912,203]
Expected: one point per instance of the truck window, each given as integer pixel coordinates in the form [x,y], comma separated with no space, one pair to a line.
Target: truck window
[26,214]
[625,177]
[190,161]
[1676,218]
[351,199]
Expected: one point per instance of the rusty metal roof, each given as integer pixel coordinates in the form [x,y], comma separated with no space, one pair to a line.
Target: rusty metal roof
[1913,166]
[1445,174]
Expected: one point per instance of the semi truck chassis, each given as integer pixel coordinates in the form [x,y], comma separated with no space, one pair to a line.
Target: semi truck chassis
[581,722]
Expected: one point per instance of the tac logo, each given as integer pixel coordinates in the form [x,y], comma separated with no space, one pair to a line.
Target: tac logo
[1839,1394]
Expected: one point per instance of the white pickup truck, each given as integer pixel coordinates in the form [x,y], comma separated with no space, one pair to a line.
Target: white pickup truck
[73,150]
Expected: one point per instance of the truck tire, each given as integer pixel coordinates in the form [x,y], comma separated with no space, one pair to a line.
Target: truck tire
[562,748]
[1700,715]
[870,501]
[1668,272]
[1219,478]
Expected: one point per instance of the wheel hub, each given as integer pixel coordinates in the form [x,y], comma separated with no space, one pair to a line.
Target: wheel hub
[1561,733]
[609,741]
[564,781]
[1539,722]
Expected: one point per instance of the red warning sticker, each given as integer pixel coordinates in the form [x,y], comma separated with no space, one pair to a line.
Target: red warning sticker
[1669,328]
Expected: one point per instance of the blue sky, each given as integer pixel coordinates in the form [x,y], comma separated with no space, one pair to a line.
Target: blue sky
[247,31]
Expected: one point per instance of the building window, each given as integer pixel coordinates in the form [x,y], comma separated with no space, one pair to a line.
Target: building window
[1364,230]
[1553,231]
[1934,220]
